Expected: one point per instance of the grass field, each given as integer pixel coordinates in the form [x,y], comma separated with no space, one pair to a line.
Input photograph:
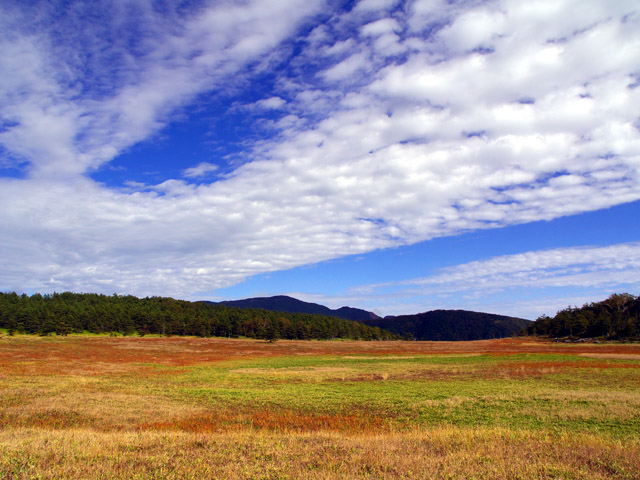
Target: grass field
[128,407]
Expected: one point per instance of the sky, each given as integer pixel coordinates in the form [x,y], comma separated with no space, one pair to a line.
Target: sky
[394,155]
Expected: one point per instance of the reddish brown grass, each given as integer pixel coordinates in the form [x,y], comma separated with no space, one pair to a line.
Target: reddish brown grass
[106,355]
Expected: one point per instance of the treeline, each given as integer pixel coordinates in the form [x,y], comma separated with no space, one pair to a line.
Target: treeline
[64,313]
[616,318]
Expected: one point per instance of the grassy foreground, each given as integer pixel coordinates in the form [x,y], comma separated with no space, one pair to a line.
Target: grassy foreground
[101,407]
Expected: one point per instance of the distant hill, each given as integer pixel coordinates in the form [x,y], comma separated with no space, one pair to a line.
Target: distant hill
[452,325]
[433,325]
[283,303]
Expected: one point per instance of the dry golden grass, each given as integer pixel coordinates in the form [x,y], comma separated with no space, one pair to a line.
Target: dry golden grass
[452,453]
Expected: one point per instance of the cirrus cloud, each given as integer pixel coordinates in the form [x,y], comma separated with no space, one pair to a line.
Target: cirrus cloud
[499,283]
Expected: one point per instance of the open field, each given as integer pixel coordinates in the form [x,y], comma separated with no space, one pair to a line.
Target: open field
[103,407]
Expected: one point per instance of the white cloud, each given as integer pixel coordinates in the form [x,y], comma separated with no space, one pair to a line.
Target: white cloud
[347,68]
[576,266]
[380,27]
[61,131]
[498,114]
[340,47]
[509,284]
[271,103]
[475,29]
[200,170]
[375,5]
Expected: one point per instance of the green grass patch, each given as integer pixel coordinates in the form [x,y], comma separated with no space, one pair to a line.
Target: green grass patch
[462,391]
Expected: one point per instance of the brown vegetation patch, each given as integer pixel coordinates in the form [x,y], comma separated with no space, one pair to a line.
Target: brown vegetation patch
[104,355]
[537,369]
[116,356]
[46,419]
[386,357]
[275,420]
[613,356]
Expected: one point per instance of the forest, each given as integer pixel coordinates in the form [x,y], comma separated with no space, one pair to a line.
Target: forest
[616,318]
[65,313]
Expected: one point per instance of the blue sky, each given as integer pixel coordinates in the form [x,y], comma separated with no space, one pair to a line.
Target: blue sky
[398,156]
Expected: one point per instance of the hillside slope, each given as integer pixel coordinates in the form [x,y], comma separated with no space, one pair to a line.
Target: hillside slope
[452,325]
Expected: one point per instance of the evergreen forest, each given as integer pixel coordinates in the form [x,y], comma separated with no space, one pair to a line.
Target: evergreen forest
[65,313]
[616,318]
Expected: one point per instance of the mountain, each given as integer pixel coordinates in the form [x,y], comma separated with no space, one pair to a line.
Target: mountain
[452,325]
[355,314]
[433,325]
[283,303]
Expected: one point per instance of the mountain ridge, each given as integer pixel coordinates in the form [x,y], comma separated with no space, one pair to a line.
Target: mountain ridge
[285,303]
[430,325]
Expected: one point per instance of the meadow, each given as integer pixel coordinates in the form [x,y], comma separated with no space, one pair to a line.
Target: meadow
[84,406]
